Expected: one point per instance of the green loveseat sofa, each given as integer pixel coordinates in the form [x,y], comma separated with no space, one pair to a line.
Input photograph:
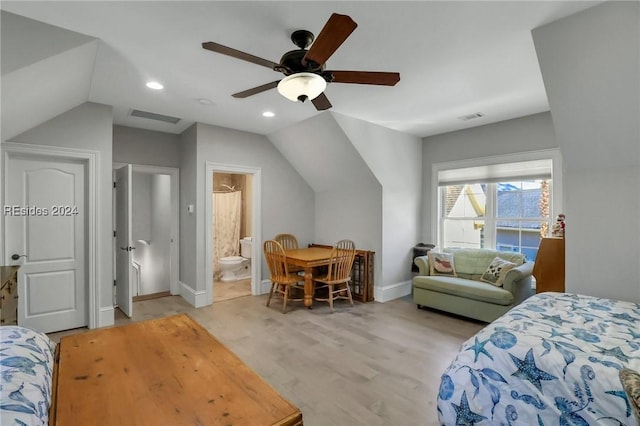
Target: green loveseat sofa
[465,294]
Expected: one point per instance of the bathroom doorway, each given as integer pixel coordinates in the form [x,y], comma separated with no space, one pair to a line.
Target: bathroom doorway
[231,221]
[232,201]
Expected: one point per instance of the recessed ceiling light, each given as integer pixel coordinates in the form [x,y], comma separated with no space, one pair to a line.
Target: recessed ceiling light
[154,85]
[471,116]
[205,101]
[268,114]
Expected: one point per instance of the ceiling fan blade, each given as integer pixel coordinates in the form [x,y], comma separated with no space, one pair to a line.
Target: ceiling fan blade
[256,90]
[365,77]
[332,35]
[321,102]
[218,48]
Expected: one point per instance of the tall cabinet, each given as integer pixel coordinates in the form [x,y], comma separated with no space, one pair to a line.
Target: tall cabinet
[548,269]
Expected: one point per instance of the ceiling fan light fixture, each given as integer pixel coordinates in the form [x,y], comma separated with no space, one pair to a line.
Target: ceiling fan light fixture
[154,85]
[302,86]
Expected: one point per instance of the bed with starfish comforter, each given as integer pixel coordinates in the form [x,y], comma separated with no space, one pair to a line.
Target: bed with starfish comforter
[554,359]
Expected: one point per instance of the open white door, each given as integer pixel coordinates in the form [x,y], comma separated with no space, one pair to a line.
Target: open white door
[124,247]
[45,223]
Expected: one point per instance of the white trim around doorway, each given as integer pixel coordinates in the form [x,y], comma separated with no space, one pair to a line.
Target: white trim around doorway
[256,225]
[92,160]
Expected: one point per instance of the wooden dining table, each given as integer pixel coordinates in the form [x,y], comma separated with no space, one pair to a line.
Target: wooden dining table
[307,259]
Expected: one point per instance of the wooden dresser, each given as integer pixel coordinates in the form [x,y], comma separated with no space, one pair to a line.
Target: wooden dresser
[9,295]
[549,265]
[167,371]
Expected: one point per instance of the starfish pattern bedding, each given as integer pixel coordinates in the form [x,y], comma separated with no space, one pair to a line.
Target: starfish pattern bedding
[553,359]
[26,373]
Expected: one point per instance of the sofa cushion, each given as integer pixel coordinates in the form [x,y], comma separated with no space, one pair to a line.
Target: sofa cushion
[496,271]
[470,261]
[465,288]
[441,264]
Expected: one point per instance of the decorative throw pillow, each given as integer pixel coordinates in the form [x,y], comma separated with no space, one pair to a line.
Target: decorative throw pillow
[441,264]
[496,271]
[631,383]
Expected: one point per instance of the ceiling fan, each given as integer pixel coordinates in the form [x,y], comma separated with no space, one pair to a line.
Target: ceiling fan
[304,69]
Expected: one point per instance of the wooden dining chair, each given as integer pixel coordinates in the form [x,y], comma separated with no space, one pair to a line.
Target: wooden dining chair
[282,281]
[338,273]
[289,242]
[346,244]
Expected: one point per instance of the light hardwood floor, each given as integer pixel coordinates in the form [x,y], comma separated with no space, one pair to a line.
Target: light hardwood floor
[231,289]
[371,364]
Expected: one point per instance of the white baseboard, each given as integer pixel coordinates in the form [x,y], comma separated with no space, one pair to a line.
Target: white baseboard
[393,291]
[265,287]
[107,317]
[197,299]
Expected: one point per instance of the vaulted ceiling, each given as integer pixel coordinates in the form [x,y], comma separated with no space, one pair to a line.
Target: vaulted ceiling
[455,59]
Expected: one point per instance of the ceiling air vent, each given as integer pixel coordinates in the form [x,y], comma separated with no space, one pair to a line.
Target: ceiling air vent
[471,116]
[154,116]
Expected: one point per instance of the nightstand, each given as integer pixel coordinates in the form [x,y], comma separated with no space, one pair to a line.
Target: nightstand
[9,295]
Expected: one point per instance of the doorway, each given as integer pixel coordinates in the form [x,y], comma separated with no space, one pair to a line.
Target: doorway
[232,241]
[232,201]
[150,268]
[49,231]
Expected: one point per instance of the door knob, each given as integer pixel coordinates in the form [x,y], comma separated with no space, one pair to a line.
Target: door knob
[129,248]
[17,256]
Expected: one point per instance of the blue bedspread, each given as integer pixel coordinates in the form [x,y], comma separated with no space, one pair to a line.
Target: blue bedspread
[26,372]
[552,360]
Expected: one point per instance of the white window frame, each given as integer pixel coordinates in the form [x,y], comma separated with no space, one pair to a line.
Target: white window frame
[554,155]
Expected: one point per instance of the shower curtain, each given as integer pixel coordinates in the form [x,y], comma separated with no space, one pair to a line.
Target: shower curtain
[227,212]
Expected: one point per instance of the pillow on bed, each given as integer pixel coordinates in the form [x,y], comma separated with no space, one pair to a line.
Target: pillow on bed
[496,271]
[631,383]
[26,372]
[441,264]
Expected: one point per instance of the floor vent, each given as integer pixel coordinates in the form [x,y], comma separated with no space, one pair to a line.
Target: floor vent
[471,116]
[154,116]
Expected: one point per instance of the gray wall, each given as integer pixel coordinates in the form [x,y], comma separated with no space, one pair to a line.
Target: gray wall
[287,200]
[160,234]
[151,222]
[146,147]
[46,70]
[367,183]
[353,213]
[395,159]
[88,126]
[590,64]
[348,197]
[141,206]
[531,133]
[188,187]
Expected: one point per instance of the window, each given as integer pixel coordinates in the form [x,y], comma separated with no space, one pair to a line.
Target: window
[505,206]
[507,216]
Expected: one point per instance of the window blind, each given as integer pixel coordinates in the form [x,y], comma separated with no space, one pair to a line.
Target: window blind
[522,170]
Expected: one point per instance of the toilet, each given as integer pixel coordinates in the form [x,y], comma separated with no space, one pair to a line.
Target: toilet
[236,268]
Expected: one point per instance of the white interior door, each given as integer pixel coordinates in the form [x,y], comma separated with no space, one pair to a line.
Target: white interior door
[124,247]
[45,218]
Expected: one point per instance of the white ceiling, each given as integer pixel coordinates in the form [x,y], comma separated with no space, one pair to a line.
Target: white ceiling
[455,58]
